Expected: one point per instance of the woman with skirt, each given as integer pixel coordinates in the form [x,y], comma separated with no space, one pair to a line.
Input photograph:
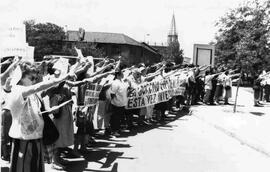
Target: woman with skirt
[27,122]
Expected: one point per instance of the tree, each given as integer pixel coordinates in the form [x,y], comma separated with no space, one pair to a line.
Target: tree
[242,39]
[45,37]
[49,38]
[173,53]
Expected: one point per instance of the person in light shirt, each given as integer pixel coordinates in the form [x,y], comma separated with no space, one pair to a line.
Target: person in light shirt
[220,86]
[228,88]
[119,100]
[27,122]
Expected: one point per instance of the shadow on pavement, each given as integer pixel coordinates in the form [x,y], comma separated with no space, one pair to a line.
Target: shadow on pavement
[102,151]
[257,113]
[101,155]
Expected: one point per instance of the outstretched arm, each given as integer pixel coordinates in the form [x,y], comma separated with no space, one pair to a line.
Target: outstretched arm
[97,77]
[43,85]
[99,71]
[234,75]
[6,74]
[74,83]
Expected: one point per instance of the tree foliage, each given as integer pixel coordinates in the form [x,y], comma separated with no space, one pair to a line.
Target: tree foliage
[49,38]
[173,53]
[243,37]
[45,37]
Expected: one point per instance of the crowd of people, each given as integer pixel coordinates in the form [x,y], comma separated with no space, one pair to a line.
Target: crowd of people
[31,90]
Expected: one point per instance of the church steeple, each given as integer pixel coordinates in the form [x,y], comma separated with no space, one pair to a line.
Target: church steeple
[172,35]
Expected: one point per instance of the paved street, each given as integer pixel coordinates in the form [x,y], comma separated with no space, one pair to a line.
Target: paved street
[209,139]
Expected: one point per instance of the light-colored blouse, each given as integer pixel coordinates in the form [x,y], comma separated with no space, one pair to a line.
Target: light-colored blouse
[27,121]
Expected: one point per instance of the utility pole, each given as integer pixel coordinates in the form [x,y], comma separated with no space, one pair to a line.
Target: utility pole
[236,96]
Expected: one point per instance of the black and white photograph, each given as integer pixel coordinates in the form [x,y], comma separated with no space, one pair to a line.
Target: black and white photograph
[135,85]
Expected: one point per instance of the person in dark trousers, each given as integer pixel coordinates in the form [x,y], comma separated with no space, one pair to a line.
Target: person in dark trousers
[267,90]
[214,85]
[256,88]
[118,92]
[208,86]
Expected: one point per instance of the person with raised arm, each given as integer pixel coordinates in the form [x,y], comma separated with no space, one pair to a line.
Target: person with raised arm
[208,86]
[9,70]
[82,113]
[119,100]
[27,122]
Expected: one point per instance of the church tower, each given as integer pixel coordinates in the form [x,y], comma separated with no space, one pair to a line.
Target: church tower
[172,35]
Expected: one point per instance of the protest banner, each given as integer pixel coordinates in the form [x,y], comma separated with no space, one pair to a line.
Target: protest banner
[92,94]
[91,100]
[155,92]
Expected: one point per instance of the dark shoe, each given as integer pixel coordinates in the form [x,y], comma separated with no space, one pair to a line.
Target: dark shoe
[76,154]
[61,161]
[153,121]
[146,122]
[116,134]
[91,140]
[175,109]
[107,132]
[257,105]
[83,150]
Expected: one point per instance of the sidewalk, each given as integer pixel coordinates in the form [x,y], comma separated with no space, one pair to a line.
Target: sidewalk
[249,125]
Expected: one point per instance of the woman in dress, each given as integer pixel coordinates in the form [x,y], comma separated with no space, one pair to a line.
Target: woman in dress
[27,122]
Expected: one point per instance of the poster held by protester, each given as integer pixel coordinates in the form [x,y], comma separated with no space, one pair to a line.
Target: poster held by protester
[91,98]
[92,94]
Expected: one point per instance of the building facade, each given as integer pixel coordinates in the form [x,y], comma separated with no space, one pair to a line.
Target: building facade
[116,44]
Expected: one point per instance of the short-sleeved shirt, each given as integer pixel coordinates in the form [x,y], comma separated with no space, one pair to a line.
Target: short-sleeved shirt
[220,79]
[119,88]
[27,122]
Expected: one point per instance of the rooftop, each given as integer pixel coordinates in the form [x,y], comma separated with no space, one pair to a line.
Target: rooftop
[103,37]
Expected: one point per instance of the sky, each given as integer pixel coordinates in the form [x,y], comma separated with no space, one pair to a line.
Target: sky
[142,20]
